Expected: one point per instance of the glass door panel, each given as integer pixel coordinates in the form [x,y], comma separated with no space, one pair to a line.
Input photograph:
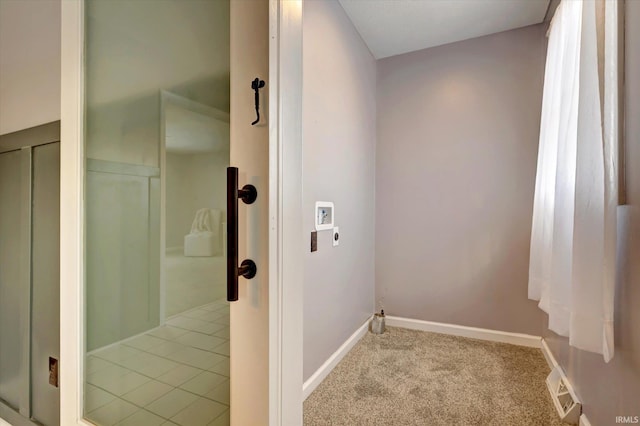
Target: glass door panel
[157,147]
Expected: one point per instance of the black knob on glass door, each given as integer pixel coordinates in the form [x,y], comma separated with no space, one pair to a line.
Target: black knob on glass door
[247,268]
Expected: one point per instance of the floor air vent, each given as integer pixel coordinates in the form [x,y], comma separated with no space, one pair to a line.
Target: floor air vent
[563,396]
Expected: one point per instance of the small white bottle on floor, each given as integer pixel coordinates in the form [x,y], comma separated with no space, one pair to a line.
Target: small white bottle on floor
[377,323]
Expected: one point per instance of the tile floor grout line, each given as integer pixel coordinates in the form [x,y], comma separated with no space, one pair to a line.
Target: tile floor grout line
[123,341]
[156,378]
[163,356]
[148,351]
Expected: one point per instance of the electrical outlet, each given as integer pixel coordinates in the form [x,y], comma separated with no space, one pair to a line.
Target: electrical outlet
[314,241]
[336,236]
[325,215]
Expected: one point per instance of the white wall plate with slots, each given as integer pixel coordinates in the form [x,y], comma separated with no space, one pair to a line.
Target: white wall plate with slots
[563,396]
[324,215]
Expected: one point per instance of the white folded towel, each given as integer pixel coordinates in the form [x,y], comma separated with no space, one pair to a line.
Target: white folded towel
[206,220]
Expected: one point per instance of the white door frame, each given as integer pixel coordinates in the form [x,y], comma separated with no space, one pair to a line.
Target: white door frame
[286,234]
[286,241]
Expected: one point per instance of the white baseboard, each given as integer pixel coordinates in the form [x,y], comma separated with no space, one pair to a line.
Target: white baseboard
[548,355]
[3,423]
[463,331]
[312,382]
[584,421]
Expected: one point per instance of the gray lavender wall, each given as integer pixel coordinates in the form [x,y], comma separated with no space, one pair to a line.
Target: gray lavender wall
[339,132]
[458,130]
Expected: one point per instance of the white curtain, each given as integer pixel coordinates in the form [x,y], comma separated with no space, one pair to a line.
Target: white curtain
[572,263]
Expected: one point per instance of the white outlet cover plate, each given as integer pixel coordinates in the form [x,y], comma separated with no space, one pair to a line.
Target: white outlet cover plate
[325,215]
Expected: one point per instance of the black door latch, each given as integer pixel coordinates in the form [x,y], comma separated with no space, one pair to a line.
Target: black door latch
[255,85]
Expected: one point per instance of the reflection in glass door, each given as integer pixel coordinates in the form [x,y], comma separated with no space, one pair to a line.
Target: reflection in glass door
[157,147]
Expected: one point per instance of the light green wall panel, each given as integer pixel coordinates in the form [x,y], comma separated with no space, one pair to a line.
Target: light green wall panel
[121,287]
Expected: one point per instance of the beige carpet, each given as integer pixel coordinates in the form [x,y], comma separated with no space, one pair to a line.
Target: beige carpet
[407,377]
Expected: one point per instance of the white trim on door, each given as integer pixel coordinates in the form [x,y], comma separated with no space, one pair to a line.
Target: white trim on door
[286,237]
[71,218]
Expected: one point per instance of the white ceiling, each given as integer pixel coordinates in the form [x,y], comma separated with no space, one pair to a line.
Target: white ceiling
[392,27]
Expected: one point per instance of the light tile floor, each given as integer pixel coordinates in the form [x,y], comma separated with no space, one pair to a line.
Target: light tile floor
[177,374]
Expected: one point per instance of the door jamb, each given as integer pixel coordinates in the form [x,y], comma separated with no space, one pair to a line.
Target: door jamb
[71,213]
[286,236]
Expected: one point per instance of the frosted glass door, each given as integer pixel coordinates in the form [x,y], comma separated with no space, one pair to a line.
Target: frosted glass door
[156,146]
